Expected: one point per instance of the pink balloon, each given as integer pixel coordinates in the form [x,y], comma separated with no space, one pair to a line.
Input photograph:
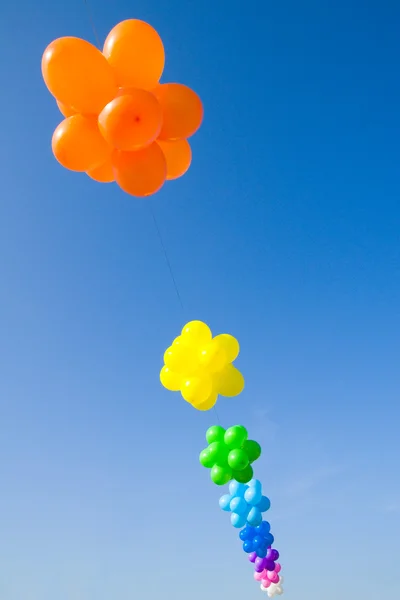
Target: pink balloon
[257,576]
[277,567]
[274,577]
[266,583]
[264,574]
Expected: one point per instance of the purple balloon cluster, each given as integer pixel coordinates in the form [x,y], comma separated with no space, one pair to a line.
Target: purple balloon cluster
[267,563]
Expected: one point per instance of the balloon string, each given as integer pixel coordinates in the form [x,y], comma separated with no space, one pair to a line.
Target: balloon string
[91,21]
[166,257]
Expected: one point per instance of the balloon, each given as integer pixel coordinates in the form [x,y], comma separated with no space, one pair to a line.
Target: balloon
[78,75]
[229,381]
[78,145]
[245,475]
[257,576]
[136,53]
[215,433]
[221,475]
[233,460]
[238,459]
[131,121]
[229,344]
[273,554]
[252,556]
[197,390]
[170,380]
[182,111]
[103,173]
[141,173]
[253,450]
[224,502]
[196,333]
[178,156]
[235,436]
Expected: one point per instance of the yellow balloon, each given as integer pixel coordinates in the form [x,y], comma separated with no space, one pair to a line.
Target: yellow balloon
[229,382]
[170,380]
[209,403]
[196,333]
[213,357]
[197,390]
[229,344]
[181,359]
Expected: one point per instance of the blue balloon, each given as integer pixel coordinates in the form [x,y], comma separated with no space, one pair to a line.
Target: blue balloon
[239,505]
[237,489]
[264,504]
[254,517]
[263,528]
[253,496]
[238,520]
[247,533]
[225,501]
[248,546]
[269,538]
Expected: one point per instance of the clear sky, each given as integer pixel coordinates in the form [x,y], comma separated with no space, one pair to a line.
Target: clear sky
[285,232]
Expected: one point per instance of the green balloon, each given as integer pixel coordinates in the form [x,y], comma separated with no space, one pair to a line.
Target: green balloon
[243,476]
[206,459]
[221,475]
[235,436]
[215,434]
[252,449]
[238,459]
[219,452]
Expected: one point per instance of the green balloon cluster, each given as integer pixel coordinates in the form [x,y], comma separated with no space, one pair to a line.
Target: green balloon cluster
[229,454]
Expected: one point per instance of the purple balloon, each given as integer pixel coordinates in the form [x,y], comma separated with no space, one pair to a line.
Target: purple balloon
[260,564]
[252,556]
[270,565]
[272,554]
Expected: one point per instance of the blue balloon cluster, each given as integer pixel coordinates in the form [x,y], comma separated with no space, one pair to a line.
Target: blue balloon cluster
[257,539]
[245,502]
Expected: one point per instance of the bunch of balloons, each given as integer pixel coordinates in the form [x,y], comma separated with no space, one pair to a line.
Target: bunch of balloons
[200,367]
[229,454]
[257,540]
[245,502]
[121,124]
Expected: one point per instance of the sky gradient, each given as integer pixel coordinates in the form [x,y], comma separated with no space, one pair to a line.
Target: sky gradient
[285,233]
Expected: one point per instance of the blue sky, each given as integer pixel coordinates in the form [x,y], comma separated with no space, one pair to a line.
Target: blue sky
[285,232]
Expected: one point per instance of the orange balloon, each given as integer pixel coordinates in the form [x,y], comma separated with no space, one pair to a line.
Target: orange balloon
[135,51]
[78,75]
[141,173]
[130,122]
[104,173]
[182,111]
[178,156]
[78,144]
[65,110]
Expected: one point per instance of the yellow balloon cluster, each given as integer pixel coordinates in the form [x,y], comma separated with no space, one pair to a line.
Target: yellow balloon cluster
[200,366]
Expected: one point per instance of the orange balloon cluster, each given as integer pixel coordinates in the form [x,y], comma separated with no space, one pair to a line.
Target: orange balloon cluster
[120,123]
